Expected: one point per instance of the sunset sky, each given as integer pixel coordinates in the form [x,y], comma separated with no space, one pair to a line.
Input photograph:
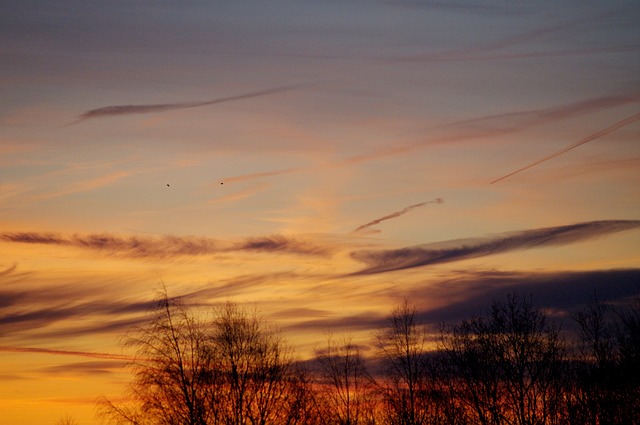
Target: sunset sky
[317,160]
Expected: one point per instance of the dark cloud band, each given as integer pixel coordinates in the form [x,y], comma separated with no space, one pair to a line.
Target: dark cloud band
[168,246]
[405,258]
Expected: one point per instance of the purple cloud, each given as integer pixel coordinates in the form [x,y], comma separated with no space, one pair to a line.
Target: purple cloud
[116,110]
[417,256]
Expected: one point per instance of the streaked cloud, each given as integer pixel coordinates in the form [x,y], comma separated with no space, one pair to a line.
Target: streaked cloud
[44,319]
[396,214]
[238,195]
[36,189]
[223,289]
[89,354]
[627,121]
[88,185]
[252,176]
[502,47]
[364,321]
[118,110]
[168,246]
[521,120]
[279,243]
[497,125]
[626,165]
[457,250]
[542,54]
[87,368]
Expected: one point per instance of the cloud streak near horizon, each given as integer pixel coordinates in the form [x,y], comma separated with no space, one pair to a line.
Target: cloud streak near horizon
[117,110]
[627,121]
[458,250]
[395,214]
[89,354]
[168,246]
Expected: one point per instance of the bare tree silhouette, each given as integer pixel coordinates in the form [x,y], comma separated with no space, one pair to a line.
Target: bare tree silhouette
[230,370]
[171,370]
[606,381]
[260,382]
[66,420]
[347,392]
[412,393]
[507,367]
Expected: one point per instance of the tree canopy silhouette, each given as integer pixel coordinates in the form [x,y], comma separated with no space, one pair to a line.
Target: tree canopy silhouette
[230,369]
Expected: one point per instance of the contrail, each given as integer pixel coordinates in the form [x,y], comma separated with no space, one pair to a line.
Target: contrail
[594,136]
[110,111]
[397,214]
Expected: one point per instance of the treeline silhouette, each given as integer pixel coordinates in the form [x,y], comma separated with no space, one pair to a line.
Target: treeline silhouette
[510,366]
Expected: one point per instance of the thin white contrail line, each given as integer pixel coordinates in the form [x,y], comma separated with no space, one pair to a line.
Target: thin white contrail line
[594,136]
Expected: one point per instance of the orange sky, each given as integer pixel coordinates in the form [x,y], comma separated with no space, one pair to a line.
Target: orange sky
[321,161]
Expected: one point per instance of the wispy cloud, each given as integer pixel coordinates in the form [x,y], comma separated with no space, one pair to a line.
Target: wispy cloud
[617,165]
[279,243]
[88,185]
[117,110]
[259,175]
[541,54]
[245,192]
[494,50]
[362,321]
[497,125]
[28,191]
[223,289]
[591,137]
[457,250]
[521,120]
[89,354]
[88,368]
[396,214]
[46,320]
[460,131]
[168,246]
[46,311]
